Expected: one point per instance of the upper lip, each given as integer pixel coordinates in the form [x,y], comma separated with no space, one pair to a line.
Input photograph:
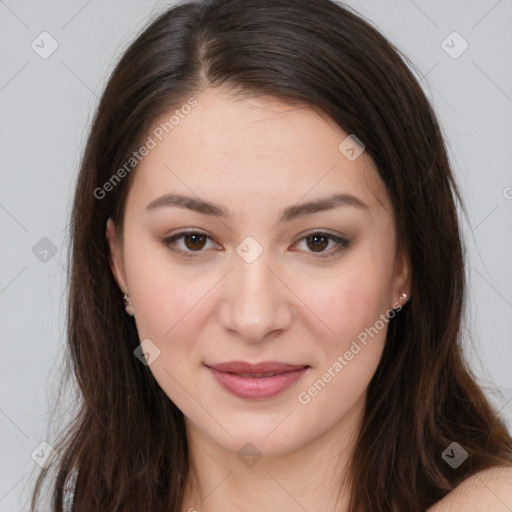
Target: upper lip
[263,367]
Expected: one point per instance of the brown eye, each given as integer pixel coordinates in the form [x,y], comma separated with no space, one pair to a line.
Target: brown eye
[191,243]
[317,242]
[194,241]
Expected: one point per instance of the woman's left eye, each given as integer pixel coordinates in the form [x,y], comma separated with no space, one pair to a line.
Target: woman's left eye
[195,241]
[320,241]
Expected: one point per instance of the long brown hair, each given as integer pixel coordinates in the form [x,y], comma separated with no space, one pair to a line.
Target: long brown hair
[127,444]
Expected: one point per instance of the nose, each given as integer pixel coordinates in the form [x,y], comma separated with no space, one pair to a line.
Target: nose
[256,302]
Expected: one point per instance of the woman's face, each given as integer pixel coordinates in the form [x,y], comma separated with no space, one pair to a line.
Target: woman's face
[257,278]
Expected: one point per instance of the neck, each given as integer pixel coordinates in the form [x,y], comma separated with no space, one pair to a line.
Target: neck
[314,477]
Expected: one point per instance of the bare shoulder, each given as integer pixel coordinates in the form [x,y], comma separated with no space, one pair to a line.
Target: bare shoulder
[487,491]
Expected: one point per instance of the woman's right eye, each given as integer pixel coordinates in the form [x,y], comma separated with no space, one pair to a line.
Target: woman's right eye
[194,242]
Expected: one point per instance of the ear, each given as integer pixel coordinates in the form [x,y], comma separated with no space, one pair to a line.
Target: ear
[401,278]
[116,256]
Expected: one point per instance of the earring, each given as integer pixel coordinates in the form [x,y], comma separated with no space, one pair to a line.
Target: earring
[404,296]
[128,305]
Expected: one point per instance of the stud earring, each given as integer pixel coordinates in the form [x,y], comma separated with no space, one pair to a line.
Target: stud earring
[128,305]
[404,296]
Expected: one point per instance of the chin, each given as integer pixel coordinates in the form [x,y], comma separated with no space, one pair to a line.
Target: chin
[269,437]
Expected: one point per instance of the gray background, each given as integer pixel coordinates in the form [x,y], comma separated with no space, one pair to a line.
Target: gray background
[45,109]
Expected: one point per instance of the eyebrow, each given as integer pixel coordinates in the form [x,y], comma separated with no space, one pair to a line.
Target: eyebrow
[287,214]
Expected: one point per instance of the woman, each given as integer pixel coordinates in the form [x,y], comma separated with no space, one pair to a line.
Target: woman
[266,191]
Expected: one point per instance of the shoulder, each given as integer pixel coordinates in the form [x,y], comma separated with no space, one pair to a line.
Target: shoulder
[487,491]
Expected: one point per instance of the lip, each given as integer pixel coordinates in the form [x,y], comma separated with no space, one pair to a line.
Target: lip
[246,380]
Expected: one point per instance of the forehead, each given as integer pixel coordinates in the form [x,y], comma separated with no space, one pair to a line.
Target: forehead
[253,147]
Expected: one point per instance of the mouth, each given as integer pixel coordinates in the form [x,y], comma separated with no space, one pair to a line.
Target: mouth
[256,381]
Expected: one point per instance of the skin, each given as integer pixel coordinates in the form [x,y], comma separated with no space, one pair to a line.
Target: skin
[487,491]
[256,157]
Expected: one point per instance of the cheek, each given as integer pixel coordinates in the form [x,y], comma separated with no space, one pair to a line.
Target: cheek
[357,319]
[166,300]
[354,306]
[356,310]
[351,302]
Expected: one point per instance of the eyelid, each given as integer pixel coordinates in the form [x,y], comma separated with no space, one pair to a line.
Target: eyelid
[168,240]
[341,241]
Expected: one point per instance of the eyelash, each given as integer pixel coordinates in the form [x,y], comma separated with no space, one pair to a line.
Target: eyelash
[342,243]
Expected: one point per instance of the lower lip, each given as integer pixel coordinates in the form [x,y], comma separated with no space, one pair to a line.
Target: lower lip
[254,387]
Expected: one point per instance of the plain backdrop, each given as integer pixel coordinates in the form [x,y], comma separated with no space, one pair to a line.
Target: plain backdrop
[46,106]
